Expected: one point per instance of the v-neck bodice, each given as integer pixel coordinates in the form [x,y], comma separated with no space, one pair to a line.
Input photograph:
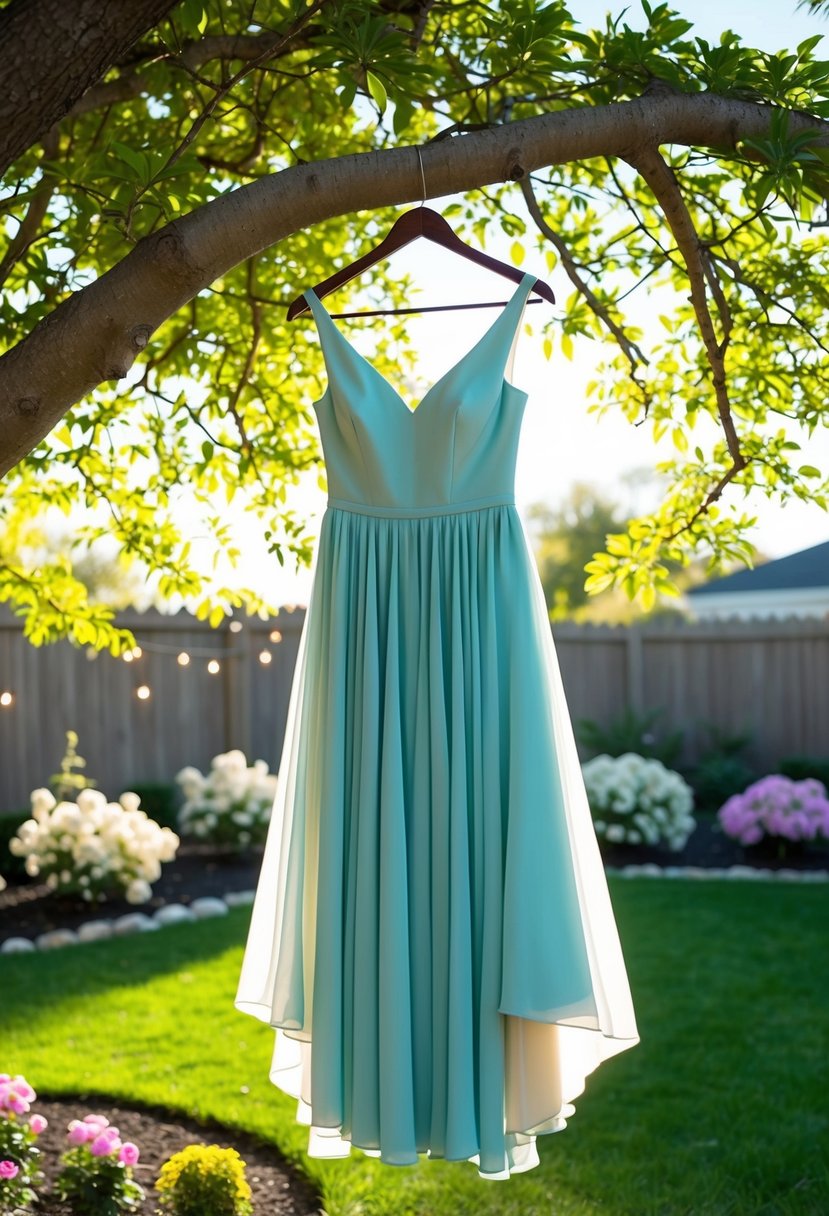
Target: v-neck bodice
[456,451]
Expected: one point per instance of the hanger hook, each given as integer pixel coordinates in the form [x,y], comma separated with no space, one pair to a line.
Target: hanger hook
[422,175]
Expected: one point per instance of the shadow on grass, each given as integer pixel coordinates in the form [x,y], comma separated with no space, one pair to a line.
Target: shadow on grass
[31,980]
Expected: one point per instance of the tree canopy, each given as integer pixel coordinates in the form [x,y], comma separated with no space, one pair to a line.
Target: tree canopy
[172,186]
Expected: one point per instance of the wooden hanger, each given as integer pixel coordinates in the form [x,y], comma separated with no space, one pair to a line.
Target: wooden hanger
[419,222]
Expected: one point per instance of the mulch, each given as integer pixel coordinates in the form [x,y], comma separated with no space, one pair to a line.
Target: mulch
[710,848]
[28,907]
[278,1190]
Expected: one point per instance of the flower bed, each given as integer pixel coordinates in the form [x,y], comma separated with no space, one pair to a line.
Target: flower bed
[28,907]
[277,1190]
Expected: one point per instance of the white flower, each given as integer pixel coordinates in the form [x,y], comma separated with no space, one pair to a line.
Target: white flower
[138,891]
[90,800]
[658,801]
[42,802]
[129,801]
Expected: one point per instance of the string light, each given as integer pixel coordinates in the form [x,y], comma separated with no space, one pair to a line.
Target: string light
[183,659]
[265,657]
[235,626]
[275,635]
[6,698]
[214,666]
[143,692]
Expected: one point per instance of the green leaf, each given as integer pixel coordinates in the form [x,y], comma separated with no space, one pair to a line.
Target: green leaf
[403,113]
[517,252]
[808,470]
[377,90]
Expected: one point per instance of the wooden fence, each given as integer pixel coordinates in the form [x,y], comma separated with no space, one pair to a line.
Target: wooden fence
[770,678]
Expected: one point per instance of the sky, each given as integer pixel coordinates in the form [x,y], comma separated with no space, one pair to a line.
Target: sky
[560,442]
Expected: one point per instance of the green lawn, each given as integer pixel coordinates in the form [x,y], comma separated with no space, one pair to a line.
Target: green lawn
[722,1108]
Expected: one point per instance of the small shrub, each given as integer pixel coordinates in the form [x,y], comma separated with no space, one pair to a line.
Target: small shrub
[721,769]
[96,1175]
[204,1180]
[10,823]
[159,801]
[19,1170]
[777,807]
[230,806]
[631,732]
[636,799]
[798,767]
[93,847]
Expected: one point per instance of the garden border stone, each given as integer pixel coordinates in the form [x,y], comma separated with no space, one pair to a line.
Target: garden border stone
[133,922]
[211,905]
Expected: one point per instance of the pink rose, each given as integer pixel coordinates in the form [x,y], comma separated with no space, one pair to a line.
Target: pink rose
[79,1133]
[19,1105]
[8,1169]
[99,1119]
[38,1124]
[104,1144]
[129,1153]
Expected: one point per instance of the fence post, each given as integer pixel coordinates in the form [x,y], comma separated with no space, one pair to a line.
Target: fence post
[237,688]
[635,669]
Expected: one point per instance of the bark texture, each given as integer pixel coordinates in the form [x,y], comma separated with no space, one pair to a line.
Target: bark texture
[53,50]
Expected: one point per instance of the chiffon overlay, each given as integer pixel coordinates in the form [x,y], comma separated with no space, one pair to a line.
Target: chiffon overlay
[432,936]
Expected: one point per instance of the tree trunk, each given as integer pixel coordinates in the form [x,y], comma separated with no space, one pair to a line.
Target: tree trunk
[53,50]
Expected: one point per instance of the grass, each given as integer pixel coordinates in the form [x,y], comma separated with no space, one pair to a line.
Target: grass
[721,1110]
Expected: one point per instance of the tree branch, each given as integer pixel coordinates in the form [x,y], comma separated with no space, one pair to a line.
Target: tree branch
[660,177]
[98,332]
[632,352]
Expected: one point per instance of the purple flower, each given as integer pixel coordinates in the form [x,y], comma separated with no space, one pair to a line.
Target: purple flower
[8,1169]
[778,807]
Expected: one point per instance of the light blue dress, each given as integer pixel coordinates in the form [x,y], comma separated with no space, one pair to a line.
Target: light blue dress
[432,936]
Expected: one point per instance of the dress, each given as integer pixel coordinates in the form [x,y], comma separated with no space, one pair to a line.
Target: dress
[432,915]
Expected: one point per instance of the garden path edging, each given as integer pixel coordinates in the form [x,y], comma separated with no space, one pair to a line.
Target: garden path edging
[102,928]
[213,905]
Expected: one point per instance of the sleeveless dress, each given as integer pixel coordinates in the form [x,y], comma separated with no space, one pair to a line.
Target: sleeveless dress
[432,936]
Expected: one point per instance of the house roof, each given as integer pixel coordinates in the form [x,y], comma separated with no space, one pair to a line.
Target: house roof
[808,568]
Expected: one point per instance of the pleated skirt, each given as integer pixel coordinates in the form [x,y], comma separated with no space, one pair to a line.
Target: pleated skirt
[432,936]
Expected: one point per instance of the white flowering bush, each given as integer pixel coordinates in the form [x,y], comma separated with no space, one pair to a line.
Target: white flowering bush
[231,805]
[637,800]
[92,847]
